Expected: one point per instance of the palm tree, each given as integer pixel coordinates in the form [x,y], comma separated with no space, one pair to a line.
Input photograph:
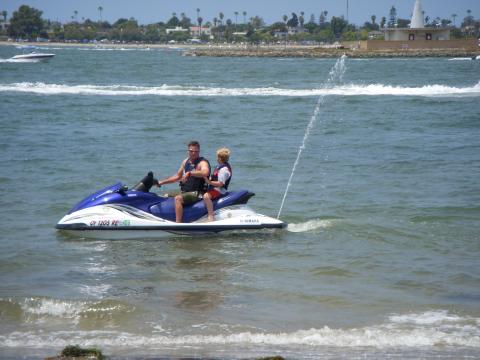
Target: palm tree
[76,13]
[215,21]
[244,17]
[301,19]
[373,17]
[4,14]
[285,18]
[200,20]
[454,16]
[221,16]
[198,13]
[383,21]
[228,32]
[100,9]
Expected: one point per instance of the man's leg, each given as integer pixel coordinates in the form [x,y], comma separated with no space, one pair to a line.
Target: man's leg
[178,208]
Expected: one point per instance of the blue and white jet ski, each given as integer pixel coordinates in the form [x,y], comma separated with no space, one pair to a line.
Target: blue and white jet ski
[117,212]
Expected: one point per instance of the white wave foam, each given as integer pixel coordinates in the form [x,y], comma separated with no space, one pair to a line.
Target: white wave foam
[52,307]
[427,318]
[178,90]
[461,332]
[460,59]
[309,225]
[19,60]
[95,291]
[44,308]
[100,48]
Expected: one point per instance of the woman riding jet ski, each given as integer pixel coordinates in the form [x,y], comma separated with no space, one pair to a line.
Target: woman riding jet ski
[117,212]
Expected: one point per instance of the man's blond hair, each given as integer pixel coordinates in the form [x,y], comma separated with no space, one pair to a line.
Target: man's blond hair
[223,154]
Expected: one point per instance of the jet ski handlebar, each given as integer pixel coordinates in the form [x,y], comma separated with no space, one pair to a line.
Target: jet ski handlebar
[146,183]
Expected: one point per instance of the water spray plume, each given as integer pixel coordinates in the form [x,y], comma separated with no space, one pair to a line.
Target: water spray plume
[335,76]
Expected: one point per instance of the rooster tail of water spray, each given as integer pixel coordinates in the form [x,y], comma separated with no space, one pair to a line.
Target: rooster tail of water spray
[335,76]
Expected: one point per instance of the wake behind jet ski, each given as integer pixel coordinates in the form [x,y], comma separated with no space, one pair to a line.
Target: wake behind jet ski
[119,212]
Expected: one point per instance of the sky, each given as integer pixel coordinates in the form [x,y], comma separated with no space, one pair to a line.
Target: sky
[151,11]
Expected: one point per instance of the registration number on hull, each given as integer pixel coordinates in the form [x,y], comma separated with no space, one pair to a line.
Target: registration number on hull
[112,222]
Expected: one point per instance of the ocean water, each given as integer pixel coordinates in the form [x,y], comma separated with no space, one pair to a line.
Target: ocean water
[381,255]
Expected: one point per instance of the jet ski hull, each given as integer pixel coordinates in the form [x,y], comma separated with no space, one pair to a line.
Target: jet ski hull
[125,222]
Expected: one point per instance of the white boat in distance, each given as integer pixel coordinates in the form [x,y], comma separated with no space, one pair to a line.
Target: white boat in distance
[33,56]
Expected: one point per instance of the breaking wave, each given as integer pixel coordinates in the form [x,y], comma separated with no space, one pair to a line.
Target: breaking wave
[427,329]
[446,330]
[205,91]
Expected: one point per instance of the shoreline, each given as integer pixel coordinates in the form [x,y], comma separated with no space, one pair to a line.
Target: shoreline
[318,52]
[276,50]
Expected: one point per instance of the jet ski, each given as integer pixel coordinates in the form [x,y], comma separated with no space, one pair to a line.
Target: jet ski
[119,212]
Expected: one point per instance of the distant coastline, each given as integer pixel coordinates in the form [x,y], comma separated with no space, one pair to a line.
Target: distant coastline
[278,50]
[319,52]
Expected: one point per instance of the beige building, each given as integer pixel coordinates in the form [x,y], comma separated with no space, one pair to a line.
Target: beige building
[197,31]
[417,30]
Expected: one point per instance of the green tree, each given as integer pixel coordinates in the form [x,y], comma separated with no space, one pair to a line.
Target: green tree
[322,20]
[100,9]
[383,21]
[454,16]
[152,33]
[26,22]
[392,22]
[403,23]
[293,22]
[338,25]
[446,22]
[468,20]
[244,17]
[174,21]
[200,20]
[72,31]
[185,21]
[229,30]
[311,27]
[257,22]
[4,14]
[301,18]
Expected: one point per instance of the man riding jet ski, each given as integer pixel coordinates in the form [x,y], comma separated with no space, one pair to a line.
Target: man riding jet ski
[191,174]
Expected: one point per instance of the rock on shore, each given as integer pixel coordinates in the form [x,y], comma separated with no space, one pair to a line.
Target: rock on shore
[319,52]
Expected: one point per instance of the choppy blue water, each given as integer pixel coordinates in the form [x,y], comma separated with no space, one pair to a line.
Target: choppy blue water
[381,255]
